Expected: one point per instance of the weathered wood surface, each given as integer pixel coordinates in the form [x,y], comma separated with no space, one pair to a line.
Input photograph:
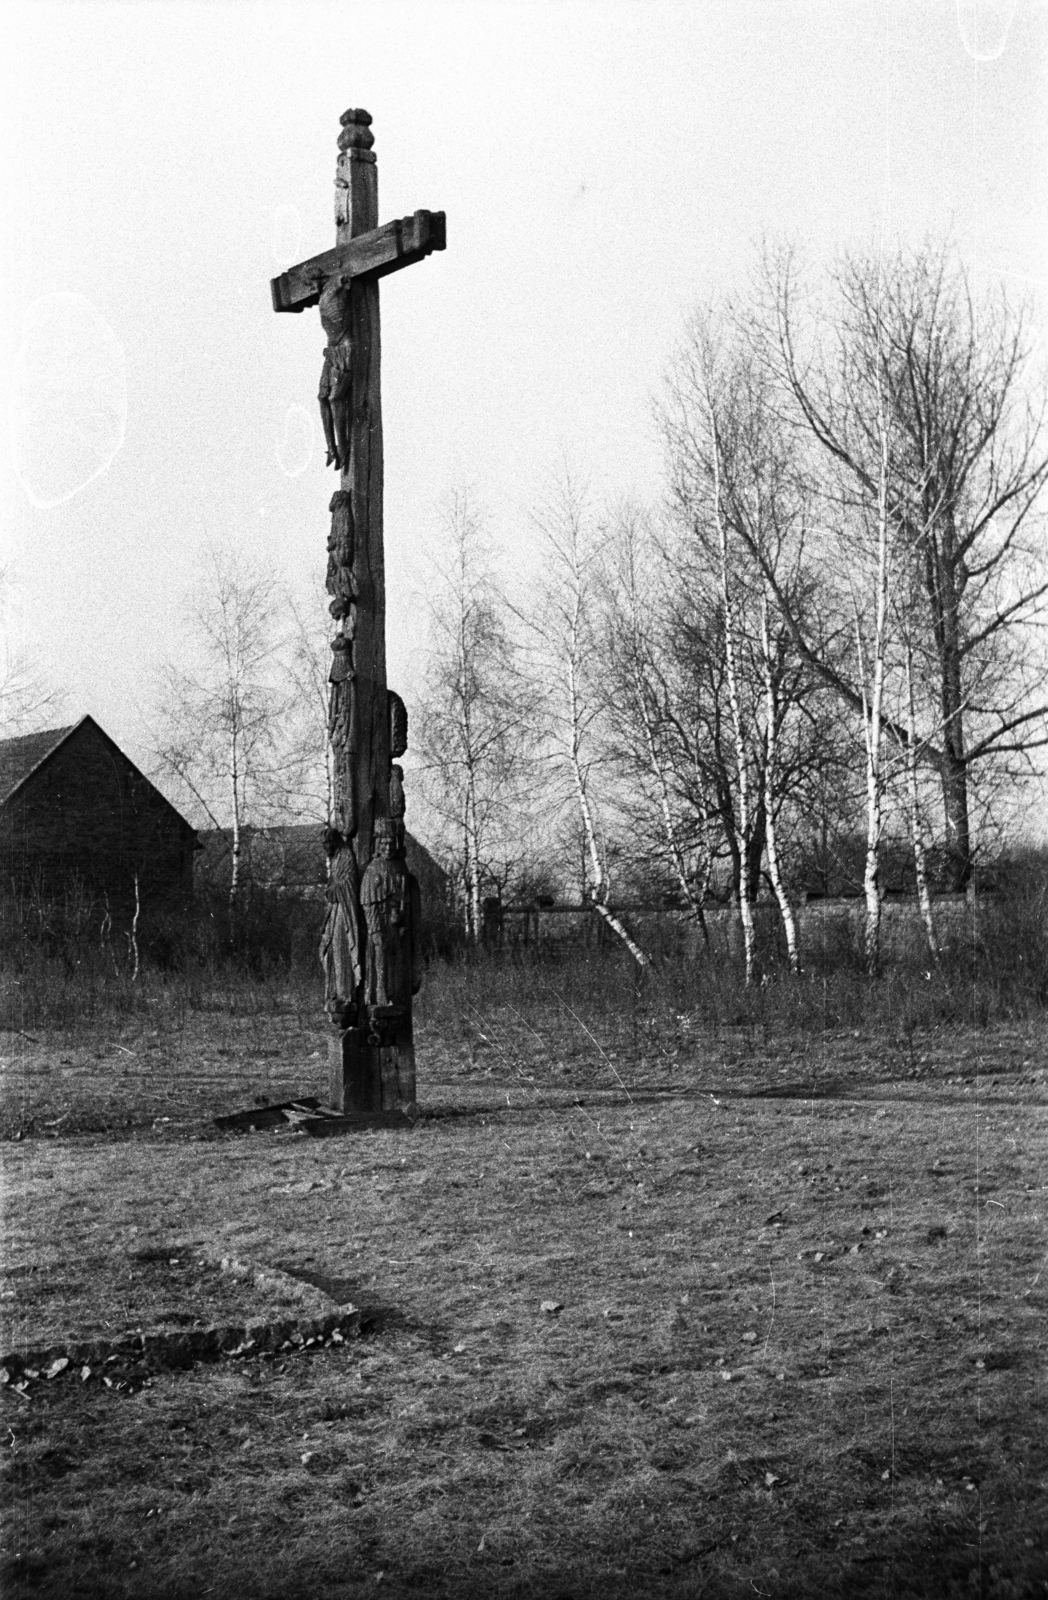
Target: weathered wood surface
[375,254]
[356,214]
[369,952]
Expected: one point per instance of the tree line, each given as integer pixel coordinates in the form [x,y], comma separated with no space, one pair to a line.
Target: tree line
[828,628]
[817,657]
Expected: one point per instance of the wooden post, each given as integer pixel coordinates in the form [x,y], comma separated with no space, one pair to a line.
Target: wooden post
[359,1068]
[356,212]
[370,943]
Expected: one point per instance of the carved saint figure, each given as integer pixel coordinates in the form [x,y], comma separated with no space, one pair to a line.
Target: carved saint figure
[341,711]
[336,378]
[396,792]
[398,724]
[340,581]
[340,943]
[389,898]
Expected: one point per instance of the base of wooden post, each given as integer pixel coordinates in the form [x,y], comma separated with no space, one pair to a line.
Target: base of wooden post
[370,1079]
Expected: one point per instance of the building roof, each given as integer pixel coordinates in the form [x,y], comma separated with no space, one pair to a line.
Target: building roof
[291,855]
[24,755]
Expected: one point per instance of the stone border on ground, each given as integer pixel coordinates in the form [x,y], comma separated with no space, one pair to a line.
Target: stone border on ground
[171,1348]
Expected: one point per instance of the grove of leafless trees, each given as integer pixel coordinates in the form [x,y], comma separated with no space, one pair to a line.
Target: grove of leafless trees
[815,664]
[822,650]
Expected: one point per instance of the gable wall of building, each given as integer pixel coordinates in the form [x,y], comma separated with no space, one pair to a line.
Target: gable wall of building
[88,818]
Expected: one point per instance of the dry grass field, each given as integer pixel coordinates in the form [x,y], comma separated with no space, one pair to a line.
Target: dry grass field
[654,1303]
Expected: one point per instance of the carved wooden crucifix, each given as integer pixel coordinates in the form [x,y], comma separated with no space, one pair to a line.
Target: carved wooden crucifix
[370,943]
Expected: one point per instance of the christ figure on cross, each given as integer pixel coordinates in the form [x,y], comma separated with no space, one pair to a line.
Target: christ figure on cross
[336,378]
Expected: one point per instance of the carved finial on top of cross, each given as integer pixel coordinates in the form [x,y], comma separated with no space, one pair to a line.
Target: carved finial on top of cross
[356,177]
[356,131]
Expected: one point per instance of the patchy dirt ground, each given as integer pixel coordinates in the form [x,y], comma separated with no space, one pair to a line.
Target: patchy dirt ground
[703,1314]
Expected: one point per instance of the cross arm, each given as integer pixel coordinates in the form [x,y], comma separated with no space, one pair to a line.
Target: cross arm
[383,250]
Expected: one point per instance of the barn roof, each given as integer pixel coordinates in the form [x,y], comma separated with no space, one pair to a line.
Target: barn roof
[24,755]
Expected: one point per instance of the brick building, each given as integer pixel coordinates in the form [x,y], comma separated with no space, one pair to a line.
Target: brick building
[76,815]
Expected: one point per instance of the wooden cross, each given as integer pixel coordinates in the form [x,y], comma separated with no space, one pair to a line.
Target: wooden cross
[370,942]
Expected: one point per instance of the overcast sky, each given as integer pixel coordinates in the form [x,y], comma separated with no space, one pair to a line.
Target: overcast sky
[604,168]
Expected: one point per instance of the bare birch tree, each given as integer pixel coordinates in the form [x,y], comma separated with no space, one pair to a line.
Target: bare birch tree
[872,652]
[969,467]
[871,690]
[218,723]
[730,626]
[734,496]
[651,746]
[773,718]
[912,754]
[565,630]
[28,698]
[310,771]
[478,720]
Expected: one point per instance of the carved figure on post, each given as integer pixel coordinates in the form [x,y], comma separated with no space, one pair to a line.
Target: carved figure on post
[336,377]
[398,724]
[340,692]
[397,804]
[341,945]
[389,899]
[341,550]
[341,717]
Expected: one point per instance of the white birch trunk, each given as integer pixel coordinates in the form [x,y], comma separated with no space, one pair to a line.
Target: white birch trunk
[778,888]
[920,864]
[234,784]
[467,868]
[743,830]
[617,927]
[473,918]
[669,827]
[707,856]
[589,831]
[470,830]
[872,708]
[873,704]
[329,786]
[871,872]
[133,937]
